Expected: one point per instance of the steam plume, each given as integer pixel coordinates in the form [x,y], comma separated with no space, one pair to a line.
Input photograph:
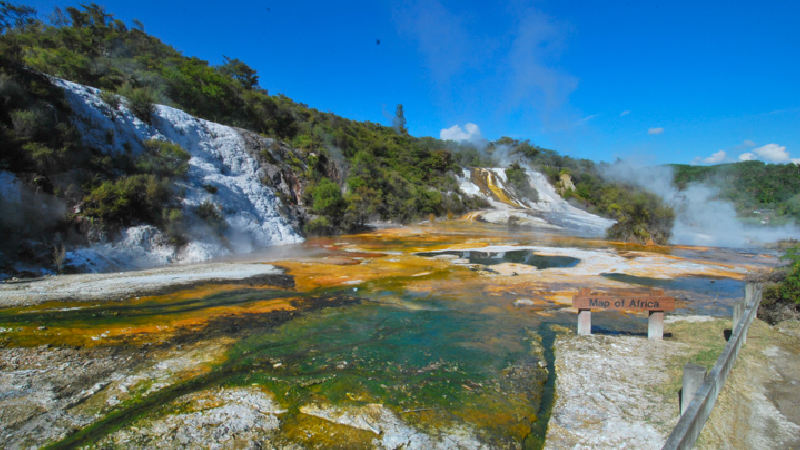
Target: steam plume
[701,217]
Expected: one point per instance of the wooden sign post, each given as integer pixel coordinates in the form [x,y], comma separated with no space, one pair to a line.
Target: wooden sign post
[655,303]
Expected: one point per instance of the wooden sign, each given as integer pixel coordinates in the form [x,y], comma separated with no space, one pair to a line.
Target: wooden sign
[627,302]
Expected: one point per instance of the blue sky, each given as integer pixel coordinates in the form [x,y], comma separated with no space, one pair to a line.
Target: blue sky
[656,82]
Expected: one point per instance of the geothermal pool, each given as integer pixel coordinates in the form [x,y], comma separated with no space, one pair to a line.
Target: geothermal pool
[432,335]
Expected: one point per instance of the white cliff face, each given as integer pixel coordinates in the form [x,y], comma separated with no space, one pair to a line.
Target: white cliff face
[549,211]
[219,163]
[559,212]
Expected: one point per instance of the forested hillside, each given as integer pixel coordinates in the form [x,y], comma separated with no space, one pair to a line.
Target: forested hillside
[386,172]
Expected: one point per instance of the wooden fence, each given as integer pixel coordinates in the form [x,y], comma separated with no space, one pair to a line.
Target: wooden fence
[696,413]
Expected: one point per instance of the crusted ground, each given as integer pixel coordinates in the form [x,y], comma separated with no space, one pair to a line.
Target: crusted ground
[622,391]
[759,407]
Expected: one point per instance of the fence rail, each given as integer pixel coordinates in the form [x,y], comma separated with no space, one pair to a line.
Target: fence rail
[685,433]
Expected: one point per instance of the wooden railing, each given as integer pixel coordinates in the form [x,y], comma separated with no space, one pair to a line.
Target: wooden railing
[696,406]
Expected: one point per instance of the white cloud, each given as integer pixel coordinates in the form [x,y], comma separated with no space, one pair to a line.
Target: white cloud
[470,133]
[625,113]
[772,153]
[747,157]
[656,130]
[716,158]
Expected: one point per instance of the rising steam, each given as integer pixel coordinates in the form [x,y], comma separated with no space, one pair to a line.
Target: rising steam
[701,217]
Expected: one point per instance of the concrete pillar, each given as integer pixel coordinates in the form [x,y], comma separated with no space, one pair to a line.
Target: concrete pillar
[655,325]
[584,322]
[693,377]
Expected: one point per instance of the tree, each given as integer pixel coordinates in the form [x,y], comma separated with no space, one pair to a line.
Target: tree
[399,120]
[58,18]
[15,16]
[240,72]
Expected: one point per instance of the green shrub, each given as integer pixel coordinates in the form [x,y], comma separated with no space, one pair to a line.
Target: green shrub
[518,180]
[788,291]
[319,226]
[210,214]
[327,200]
[29,123]
[130,200]
[113,100]
[173,224]
[163,159]
[43,157]
[140,101]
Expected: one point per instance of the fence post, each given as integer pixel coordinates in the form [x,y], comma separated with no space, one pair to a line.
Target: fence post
[738,312]
[693,377]
[749,293]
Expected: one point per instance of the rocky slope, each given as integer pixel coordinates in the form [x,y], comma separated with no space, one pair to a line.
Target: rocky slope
[223,171]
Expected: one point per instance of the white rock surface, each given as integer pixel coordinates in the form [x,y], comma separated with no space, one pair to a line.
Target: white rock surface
[607,393]
[391,431]
[219,160]
[231,418]
[91,287]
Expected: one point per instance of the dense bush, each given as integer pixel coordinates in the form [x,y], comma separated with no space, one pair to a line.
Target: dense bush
[130,200]
[327,199]
[787,291]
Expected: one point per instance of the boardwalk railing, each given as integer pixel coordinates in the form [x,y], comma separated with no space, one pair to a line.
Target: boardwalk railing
[695,414]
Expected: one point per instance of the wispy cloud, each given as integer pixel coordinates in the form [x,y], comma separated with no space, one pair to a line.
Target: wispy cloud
[625,113]
[583,120]
[748,143]
[656,130]
[516,64]
[441,36]
[535,77]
